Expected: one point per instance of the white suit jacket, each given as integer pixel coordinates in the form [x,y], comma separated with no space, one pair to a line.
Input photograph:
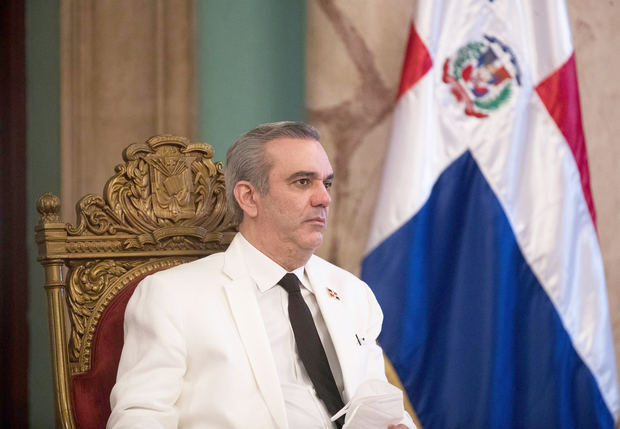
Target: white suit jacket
[196,353]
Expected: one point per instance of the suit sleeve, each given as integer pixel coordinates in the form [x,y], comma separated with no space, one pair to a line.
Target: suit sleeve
[376,364]
[153,360]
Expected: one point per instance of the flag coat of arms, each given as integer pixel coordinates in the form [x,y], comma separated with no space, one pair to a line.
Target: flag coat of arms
[483,252]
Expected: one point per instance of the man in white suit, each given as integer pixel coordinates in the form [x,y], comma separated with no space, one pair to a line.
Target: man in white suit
[215,343]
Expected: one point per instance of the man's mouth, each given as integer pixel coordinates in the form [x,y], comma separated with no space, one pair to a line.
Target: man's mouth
[317,221]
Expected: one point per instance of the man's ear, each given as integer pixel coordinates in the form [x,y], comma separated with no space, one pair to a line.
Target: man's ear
[245,194]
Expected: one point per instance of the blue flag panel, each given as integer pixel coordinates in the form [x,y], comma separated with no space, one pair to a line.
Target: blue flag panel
[468,327]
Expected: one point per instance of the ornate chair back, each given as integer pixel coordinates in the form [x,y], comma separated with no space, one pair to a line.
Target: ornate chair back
[164,206]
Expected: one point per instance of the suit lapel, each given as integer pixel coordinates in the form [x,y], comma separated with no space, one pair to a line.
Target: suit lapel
[246,314]
[338,325]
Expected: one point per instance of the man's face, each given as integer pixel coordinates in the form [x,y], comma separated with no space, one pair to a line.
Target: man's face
[294,210]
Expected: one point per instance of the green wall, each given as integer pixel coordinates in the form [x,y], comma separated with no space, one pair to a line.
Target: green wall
[250,70]
[43,174]
[251,66]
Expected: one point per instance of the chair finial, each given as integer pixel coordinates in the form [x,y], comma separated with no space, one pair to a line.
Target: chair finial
[48,205]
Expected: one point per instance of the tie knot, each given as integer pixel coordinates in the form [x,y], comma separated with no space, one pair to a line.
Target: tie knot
[290,282]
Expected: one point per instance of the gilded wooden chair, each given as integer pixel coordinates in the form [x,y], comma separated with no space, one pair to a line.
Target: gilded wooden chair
[164,206]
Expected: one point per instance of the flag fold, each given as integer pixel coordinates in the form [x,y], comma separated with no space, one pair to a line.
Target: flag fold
[483,252]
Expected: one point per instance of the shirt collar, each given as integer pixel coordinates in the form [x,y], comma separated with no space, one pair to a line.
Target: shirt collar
[265,272]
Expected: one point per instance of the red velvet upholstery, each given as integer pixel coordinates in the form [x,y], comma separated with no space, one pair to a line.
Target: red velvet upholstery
[90,392]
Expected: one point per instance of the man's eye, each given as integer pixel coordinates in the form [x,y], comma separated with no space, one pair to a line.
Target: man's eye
[304,182]
[327,185]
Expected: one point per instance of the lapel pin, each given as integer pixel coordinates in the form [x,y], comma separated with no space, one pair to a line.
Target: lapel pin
[332,294]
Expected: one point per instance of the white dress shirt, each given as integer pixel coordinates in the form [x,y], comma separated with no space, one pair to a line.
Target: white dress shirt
[303,407]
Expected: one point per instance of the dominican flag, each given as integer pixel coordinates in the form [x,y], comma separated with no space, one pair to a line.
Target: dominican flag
[483,252]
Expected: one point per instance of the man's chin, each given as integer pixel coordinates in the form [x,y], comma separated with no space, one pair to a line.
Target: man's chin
[314,242]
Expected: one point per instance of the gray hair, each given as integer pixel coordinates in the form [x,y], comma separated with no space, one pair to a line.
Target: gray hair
[245,159]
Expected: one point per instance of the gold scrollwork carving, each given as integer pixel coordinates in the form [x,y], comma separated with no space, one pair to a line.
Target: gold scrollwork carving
[167,188]
[88,281]
[94,246]
[92,285]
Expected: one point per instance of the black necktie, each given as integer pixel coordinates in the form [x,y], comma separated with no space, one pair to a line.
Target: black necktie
[310,349]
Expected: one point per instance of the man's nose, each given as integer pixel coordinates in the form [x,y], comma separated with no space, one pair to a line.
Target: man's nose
[321,196]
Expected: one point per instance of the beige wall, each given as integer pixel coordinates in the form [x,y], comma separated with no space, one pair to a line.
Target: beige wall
[354,59]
